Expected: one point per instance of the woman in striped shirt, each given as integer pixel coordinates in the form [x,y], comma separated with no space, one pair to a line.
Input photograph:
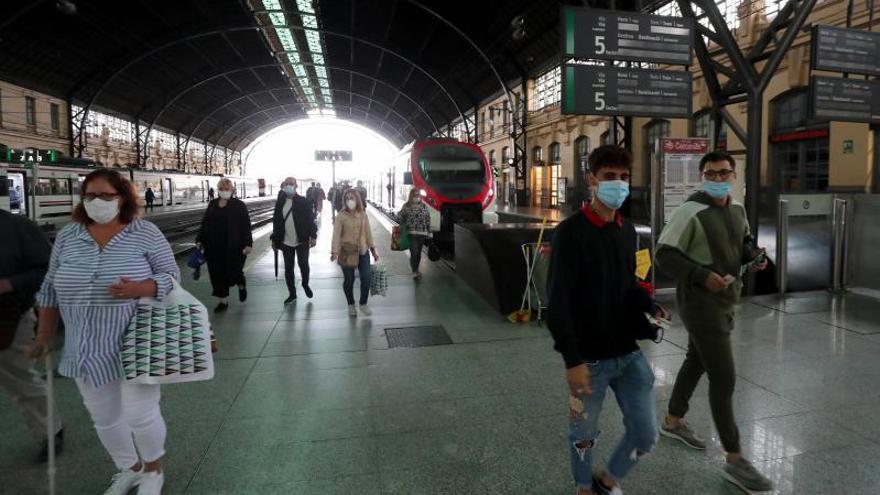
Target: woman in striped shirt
[101,264]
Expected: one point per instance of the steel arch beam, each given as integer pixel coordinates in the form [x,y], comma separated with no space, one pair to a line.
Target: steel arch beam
[241,120]
[330,67]
[246,117]
[132,61]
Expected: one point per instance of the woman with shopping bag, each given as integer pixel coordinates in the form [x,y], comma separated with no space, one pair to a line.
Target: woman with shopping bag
[414,217]
[351,248]
[101,264]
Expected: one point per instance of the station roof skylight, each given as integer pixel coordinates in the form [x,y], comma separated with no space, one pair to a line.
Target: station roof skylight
[304,60]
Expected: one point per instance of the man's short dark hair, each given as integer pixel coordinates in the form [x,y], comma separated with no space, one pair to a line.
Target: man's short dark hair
[717,156]
[609,155]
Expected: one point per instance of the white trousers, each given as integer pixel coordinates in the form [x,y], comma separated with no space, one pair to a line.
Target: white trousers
[26,389]
[127,419]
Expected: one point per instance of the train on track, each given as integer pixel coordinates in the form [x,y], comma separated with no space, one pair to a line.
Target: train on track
[45,186]
[455,179]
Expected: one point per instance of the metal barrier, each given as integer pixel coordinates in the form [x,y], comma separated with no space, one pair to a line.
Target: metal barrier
[839,228]
[782,247]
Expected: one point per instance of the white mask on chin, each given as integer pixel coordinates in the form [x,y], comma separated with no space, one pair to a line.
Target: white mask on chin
[225,194]
[101,211]
[351,204]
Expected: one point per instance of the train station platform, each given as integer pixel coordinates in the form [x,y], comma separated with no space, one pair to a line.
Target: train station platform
[309,401]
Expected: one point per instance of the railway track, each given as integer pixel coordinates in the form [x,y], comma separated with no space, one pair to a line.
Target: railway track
[180,231]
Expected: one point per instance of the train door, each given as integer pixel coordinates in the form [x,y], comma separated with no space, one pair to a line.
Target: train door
[19,198]
[167,193]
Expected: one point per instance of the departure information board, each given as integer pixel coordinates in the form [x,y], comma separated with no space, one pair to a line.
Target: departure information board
[846,50]
[613,35]
[851,100]
[603,90]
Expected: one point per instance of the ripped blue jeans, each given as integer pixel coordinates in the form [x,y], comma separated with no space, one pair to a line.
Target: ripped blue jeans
[631,379]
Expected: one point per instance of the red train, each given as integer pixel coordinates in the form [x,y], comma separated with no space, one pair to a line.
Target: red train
[456,181]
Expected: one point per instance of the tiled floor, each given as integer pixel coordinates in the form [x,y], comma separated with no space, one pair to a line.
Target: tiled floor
[308,401]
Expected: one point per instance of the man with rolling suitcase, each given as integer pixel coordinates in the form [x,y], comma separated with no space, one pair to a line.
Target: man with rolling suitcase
[24,259]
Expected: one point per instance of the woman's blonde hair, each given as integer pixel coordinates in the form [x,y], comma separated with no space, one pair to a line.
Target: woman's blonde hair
[357,197]
[225,182]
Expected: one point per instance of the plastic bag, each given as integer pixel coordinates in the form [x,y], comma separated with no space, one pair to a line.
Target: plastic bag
[168,341]
[399,238]
[379,280]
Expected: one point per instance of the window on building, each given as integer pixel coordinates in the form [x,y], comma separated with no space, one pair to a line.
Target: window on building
[548,89]
[703,125]
[492,157]
[537,156]
[54,112]
[555,154]
[30,109]
[605,138]
[505,156]
[654,130]
[581,153]
[799,148]
[1,108]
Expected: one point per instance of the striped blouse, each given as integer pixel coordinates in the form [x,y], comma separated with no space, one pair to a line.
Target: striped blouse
[76,283]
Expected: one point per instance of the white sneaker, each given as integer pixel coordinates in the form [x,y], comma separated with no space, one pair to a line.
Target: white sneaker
[123,481]
[365,310]
[151,483]
[351,310]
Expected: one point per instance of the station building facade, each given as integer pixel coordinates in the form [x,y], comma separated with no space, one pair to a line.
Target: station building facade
[30,119]
[799,155]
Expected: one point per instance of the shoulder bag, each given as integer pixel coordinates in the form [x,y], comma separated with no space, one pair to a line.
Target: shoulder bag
[350,253]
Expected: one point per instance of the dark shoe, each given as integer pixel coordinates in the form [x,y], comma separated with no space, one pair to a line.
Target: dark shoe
[242,294]
[290,299]
[600,489]
[308,291]
[221,308]
[59,447]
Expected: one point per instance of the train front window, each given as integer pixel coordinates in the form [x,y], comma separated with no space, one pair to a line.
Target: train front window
[451,164]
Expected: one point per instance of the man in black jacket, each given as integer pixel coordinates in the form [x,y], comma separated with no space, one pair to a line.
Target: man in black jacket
[294,232]
[24,259]
[594,300]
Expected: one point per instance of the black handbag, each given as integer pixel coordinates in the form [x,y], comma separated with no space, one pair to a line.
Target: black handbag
[433,251]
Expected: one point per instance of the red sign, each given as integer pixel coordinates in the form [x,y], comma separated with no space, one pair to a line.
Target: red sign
[685,145]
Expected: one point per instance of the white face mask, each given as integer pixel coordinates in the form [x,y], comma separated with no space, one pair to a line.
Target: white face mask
[351,204]
[225,194]
[101,211]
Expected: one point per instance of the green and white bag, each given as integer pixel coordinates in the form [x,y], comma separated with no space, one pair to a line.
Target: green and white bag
[379,280]
[168,341]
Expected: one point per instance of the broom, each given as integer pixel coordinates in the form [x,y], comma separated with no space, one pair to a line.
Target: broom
[525,314]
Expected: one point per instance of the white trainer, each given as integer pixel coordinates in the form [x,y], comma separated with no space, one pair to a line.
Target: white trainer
[123,481]
[366,310]
[151,483]
[351,310]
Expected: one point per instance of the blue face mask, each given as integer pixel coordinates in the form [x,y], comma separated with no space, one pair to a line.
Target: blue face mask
[289,190]
[718,190]
[612,193]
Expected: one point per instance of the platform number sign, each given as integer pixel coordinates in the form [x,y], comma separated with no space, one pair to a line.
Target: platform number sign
[333,155]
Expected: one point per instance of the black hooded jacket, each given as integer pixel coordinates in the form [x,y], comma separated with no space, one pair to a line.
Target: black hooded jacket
[303,219]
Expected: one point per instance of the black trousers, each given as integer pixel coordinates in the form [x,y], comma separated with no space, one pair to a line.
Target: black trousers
[225,270]
[290,257]
[149,205]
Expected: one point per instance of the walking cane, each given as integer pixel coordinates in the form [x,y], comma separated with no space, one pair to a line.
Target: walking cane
[50,421]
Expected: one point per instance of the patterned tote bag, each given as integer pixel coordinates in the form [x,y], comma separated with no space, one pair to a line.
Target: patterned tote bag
[168,341]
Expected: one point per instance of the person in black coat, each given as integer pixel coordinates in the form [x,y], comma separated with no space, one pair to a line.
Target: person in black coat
[294,232]
[149,197]
[226,239]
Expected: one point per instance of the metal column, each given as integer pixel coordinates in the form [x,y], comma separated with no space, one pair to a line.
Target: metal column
[782,247]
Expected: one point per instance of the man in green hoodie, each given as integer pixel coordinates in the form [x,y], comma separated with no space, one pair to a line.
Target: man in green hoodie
[704,247]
